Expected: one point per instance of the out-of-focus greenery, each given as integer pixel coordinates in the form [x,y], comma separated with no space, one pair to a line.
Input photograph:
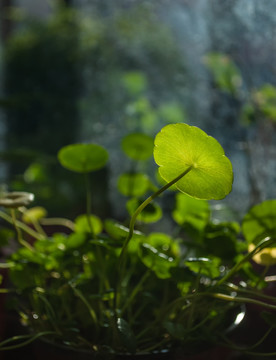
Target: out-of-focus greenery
[76,67]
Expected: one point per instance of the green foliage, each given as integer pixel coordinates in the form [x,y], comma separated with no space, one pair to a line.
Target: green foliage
[226,74]
[125,290]
[172,112]
[151,213]
[83,158]
[135,185]
[259,222]
[191,211]
[179,147]
[84,224]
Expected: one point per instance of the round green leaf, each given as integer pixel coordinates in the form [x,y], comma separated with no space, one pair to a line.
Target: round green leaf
[83,226]
[151,213]
[179,147]
[260,222]
[192,211]
[133,184]
[138,146]
[157,261]
[83,158]
[163,243]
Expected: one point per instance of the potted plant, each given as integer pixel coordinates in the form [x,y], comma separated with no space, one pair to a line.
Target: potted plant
[112,290]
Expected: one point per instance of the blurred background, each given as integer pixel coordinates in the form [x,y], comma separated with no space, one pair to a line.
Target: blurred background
[96,70]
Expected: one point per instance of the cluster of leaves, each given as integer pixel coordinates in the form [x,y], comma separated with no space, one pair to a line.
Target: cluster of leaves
[135,291]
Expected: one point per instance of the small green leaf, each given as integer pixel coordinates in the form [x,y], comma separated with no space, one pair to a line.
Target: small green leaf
[192,211]
[151,213]
[82,224]
[75,240]
[163,243]
[260,222]
[204,266]
[157,261]
[83,158]
[179,147]
[138,146]
[133,184]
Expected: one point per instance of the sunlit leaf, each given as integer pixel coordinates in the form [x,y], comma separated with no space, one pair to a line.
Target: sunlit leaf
[163,182]
[179,147]
[83,158]
[138,146]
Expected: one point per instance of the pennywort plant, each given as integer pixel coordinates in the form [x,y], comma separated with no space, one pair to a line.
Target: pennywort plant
[110,288]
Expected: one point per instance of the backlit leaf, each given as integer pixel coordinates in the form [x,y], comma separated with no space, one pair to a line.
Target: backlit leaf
[179,147]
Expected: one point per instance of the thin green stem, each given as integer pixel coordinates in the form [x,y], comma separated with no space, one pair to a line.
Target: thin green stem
[29,339]
[143,205]
[251,293]
[262,244]
[58,221]
[240,299]
[132,224]
[88,203]
[22,226]
[18,232]
[136,290]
